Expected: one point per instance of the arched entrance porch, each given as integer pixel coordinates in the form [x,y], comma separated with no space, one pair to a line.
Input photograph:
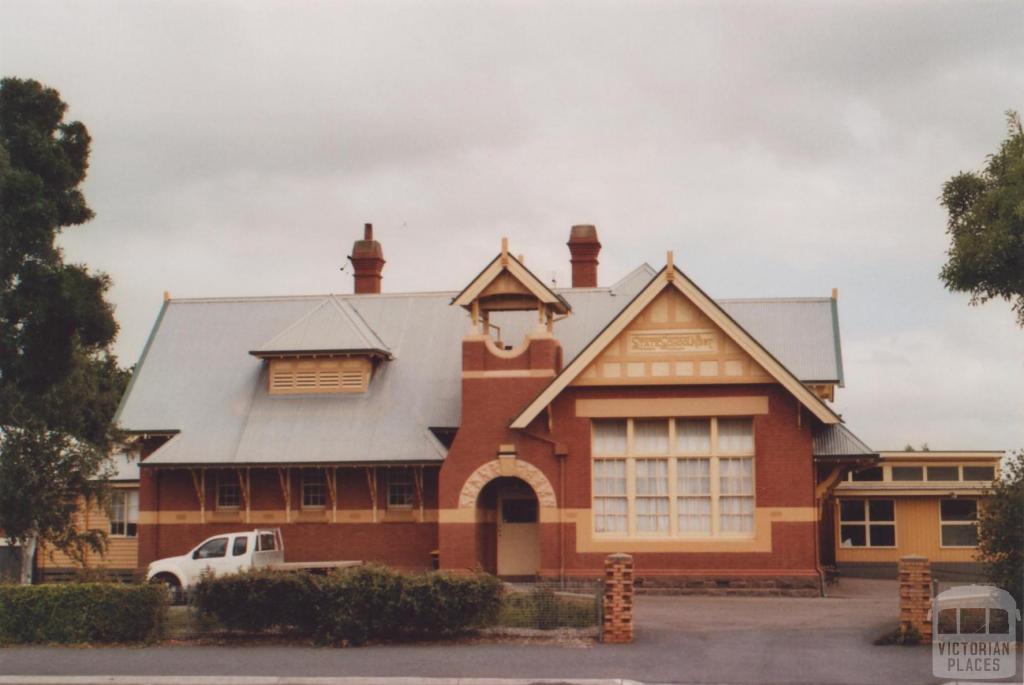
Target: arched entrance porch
[505,504]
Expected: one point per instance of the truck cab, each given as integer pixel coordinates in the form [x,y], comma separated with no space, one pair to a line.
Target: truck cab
[218,555]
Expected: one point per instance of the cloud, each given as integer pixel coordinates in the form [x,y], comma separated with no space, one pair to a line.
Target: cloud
[779,149]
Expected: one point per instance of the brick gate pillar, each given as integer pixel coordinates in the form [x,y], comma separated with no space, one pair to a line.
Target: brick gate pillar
[916,596]
[618,599]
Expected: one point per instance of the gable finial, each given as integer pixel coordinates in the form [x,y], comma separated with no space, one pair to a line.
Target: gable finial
[670,268]
[504,251]
[835,293]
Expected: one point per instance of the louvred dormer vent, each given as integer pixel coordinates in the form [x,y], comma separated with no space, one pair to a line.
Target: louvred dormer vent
[331,349]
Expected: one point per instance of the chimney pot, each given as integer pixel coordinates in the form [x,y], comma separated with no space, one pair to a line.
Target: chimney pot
[584,248]
[367,263]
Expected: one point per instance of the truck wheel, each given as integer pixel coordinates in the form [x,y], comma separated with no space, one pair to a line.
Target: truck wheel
[173,587]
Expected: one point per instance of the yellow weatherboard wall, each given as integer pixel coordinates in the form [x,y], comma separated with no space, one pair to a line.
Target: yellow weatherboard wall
[121,553]
[917,532]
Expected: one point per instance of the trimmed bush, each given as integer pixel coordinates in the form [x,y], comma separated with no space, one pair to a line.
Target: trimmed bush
[259,600]
[81,612]
[351,605]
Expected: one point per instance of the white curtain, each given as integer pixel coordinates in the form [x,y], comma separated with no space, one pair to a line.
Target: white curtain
[610,477]
[695,514]
[651,477]
[610,437]
[652,514]
[693,436]
[650,436]
[610,514]
[737,514]
[736,436]
[736,476]
[693,476]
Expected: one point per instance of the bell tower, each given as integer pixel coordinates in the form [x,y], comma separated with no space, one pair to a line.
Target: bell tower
[505,303]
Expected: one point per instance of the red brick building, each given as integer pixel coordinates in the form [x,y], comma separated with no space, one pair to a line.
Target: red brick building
[524,429]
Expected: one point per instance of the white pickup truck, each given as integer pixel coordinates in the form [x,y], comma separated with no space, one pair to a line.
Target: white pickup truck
[230,553]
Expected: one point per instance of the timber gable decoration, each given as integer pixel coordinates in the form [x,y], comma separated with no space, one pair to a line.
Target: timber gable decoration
[752,363]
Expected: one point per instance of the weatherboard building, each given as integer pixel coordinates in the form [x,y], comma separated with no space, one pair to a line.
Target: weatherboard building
[511,426]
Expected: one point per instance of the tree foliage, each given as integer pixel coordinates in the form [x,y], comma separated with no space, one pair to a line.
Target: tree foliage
[1001,529]
[59,383]
[986,225]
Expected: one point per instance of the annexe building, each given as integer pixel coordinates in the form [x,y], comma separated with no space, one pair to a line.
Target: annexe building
[524,429]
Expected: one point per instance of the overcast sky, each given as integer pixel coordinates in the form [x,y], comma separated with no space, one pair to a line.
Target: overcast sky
[779,149]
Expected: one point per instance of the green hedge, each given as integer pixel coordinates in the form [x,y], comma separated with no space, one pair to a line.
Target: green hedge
[81,612]
[350,605]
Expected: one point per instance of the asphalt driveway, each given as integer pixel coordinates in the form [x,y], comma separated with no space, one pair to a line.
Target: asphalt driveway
[679,640]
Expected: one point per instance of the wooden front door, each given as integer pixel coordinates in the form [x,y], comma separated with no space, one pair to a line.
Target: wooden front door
[518,536]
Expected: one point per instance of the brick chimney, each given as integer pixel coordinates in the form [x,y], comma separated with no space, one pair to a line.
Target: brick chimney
[584,247]
[368,263]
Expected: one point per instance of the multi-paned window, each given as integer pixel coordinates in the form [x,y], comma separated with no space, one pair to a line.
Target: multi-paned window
[673,477]
[942,473]
[314,489]
[400,489]
[867,523]
[959,522]
[124,513]
[229,490]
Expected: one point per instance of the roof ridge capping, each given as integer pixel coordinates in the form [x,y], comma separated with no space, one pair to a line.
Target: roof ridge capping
[318,331]
[672,276]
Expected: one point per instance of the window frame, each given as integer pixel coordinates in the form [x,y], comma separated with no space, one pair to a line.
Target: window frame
[943,523]
[124,509]
[392,481]
[224,481]
[322,483]
[866,523]
[673,456]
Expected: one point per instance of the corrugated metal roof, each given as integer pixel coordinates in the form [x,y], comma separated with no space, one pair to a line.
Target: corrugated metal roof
[332,325]
[196,377]
[802,333]
[836,440]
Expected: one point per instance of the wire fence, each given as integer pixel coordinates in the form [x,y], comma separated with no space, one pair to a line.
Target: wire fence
[549,605]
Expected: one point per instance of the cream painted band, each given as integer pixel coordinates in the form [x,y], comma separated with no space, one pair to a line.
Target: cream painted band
[764,517]
[510,373]
[676,406]
[279,516]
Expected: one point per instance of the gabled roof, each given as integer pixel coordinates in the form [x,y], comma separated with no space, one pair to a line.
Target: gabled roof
[669,277]
[505,262]
[331,326]
[195,380]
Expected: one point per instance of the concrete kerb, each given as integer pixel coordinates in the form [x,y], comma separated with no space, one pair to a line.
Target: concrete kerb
[265,680]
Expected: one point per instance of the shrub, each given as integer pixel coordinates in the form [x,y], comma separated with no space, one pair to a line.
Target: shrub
[443,604]
[81,612]
[350,605]
[258,600]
